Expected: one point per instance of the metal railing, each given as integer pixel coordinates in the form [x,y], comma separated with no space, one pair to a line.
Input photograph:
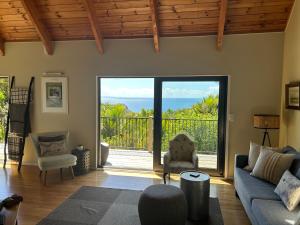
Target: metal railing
[136,133]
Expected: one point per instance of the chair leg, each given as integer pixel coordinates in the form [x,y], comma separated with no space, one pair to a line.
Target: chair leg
[20,163]
[169,176]
[41,173]
[61,173]
[165,174]
[72,172]
[45,178]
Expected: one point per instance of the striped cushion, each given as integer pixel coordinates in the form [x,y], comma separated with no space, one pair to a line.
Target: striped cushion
[271,165]
[254,153]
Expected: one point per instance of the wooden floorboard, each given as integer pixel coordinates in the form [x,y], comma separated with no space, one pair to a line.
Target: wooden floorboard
[40,200]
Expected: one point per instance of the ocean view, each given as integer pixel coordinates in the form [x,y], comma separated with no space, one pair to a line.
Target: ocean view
[136,104]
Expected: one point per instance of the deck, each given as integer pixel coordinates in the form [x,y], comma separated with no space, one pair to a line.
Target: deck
[133,159]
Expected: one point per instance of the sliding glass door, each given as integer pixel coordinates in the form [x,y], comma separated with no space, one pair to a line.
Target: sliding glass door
[195,106]
[139,116]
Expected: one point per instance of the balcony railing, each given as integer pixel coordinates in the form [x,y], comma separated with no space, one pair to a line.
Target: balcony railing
[136,133]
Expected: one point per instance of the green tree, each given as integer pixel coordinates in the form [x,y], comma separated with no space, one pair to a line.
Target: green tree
[125,129]
[208,105]
[3,106]
[114,110]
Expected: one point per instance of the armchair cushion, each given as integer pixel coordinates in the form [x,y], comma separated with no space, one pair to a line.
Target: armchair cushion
[56,162]
[46,137]
[181,164]
[51,138]
[53,148]
[181,148]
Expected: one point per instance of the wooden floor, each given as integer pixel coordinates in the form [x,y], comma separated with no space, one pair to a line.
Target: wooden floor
[40,200]
[138,159]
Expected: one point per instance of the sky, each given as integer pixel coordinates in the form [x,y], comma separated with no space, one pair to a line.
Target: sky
[144,88]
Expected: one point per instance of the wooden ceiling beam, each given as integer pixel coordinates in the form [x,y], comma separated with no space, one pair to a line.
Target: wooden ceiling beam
[88,4]
[222,21]
[33,13]
[155,23]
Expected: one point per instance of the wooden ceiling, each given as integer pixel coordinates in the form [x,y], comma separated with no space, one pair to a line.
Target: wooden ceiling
[49,20]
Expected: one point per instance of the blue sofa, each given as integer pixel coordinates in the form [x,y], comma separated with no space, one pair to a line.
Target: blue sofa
[262,205]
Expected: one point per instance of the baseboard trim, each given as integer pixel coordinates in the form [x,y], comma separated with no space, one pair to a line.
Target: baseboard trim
[24,163]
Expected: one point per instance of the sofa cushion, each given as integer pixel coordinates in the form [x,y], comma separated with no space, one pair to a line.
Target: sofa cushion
[295,167]
[252,188]
[270,212]
[254,154]
[58,161]
[288,190]
[271,165]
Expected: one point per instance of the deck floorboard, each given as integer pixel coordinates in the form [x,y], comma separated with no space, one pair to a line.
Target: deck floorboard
[138,159]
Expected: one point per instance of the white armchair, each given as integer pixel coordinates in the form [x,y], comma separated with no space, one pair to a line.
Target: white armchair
[181,156]
[51,162]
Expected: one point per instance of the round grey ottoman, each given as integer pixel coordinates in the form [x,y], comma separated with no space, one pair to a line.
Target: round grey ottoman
[162,205]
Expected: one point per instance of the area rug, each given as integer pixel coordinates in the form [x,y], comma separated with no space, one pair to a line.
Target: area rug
[107,206]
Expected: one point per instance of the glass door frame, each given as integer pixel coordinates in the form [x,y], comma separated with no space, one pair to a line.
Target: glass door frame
[222,117]
[98,111]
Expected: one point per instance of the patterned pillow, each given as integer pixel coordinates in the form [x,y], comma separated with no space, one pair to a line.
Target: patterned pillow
[288,190]
[181,148]
[271,165]
[53,148]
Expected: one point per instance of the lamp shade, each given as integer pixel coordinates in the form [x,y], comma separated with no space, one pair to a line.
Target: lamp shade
[266,121]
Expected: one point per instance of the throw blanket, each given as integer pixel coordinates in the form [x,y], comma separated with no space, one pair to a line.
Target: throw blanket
[17,119]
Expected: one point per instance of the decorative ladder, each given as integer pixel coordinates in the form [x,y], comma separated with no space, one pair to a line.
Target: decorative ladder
[22,97]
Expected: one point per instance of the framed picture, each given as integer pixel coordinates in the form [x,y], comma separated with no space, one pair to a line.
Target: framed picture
[292,95]
[54,95]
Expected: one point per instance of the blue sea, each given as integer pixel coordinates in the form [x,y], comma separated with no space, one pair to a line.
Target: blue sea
[136,104]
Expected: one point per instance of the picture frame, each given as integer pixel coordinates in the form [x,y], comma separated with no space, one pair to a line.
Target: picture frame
[292,96]
[54,94]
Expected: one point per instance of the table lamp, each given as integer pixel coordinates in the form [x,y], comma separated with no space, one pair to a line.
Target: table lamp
[266,122]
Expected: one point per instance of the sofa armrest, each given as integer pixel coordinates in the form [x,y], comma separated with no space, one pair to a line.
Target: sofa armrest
[241,161]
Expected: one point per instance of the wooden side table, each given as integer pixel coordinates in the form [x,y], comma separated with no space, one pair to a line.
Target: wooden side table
[11,215]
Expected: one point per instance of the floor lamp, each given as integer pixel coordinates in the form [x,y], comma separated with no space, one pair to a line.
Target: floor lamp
[266,122]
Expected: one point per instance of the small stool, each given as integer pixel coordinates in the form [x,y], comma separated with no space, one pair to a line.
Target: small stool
[162,205]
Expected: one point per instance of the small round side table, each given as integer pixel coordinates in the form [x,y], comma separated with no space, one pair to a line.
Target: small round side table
[83,161]
[196,187]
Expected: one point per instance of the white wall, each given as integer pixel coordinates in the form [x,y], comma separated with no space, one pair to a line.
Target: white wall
[253,61]
[290,129]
